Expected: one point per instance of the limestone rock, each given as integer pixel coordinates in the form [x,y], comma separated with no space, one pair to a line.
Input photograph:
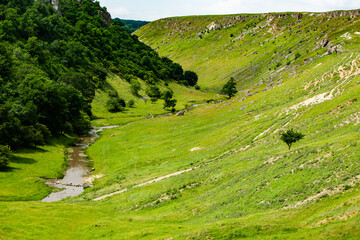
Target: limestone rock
[181,113]
[106,17]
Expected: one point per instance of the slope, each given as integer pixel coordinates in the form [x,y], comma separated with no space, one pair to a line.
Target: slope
[57,61]
[254,49]
[238,179]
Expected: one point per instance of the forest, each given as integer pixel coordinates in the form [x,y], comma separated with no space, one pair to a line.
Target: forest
[131,25]
[53,60]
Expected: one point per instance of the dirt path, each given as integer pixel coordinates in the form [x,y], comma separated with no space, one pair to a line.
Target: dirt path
[175,173]
[146,183]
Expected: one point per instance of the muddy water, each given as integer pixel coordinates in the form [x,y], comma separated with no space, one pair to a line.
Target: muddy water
[73,182]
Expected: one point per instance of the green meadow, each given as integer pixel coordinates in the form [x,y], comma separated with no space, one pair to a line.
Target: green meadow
[232,176]
[23,180]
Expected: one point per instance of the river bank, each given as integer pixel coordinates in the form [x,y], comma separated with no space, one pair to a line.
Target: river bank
[73,183]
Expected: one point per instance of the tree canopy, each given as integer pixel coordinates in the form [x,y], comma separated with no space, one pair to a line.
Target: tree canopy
[291,136]
[229,88]
[52,61]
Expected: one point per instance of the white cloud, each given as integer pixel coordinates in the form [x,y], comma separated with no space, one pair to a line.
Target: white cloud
[119,11]
[261,6]
[155,9]
[228,6]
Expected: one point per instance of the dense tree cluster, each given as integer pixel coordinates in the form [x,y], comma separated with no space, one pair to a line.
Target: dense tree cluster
[131,25]
[51,62]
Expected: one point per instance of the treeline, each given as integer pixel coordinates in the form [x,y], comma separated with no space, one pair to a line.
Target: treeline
[131,25]
[51,62]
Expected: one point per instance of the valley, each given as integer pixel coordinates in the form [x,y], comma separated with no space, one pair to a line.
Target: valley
[218,170]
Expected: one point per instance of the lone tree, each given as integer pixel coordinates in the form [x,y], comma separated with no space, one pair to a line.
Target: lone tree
[229,88]
[169,102]
[290,137]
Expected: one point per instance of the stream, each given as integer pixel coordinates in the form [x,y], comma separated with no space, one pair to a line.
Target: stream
[73,182]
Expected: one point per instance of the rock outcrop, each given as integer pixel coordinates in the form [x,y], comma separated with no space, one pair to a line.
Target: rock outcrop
[55,4]
[104,14]
[106,17]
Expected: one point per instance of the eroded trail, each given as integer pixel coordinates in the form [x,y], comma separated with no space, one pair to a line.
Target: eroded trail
[175,173]
[146,183]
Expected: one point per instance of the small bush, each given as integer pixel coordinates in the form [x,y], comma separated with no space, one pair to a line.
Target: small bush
[131,103]
[135,87]
[112,93]
[153,99]
[115,104]
[197,87]
[297,55]
[5,156]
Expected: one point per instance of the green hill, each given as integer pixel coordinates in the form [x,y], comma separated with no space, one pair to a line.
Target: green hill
[220,171]
[53,58]
[251,48]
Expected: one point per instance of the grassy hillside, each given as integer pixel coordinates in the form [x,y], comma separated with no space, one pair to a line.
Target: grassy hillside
[143,107]
[221,171]
[252,48]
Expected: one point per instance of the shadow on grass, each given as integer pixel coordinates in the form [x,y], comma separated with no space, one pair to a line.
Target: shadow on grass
[23,160]
[8,169]
[31,150]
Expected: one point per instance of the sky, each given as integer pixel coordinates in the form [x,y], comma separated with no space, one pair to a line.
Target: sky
[151,10]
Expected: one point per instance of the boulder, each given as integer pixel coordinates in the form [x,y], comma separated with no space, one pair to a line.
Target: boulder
[181,113]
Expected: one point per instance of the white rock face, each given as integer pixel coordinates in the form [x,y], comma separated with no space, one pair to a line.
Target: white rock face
[212,27]
[55,4]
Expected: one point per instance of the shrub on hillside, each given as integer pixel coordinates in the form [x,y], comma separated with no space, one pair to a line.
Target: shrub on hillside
[191,77]
[131,103]
[115,104]
[5,155]
[169,102]
[290,137]
[135,87]
[229,88]
[153,92]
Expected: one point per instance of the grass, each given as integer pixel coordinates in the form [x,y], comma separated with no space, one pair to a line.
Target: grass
[245,183]
[185,96]
[23,179]
[248,57]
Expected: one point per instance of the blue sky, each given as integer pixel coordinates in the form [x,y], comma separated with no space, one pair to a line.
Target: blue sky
[156,9]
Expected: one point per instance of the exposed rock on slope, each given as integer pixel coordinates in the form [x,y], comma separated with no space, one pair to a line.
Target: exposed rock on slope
[252,48]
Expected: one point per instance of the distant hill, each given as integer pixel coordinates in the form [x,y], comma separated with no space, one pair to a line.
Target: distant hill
[252,48]
[132,25]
